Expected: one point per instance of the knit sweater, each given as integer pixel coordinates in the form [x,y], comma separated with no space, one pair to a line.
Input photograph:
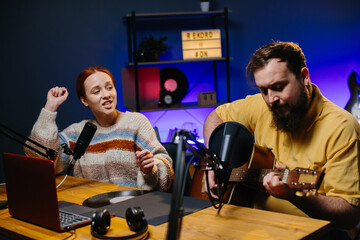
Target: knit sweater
[110,156]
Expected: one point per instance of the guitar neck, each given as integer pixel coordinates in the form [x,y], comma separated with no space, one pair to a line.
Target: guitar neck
[299,178]
[253,176]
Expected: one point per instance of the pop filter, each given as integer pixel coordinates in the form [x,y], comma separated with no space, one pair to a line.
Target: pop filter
[232,141]
[234,144]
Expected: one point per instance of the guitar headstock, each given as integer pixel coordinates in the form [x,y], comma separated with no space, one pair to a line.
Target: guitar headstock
[303,178]
[353,105]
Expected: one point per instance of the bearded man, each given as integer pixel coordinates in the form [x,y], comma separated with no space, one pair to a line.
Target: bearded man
[302,128]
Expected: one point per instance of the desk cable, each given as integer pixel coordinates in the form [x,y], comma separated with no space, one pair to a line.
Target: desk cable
[62,181]
[72,230]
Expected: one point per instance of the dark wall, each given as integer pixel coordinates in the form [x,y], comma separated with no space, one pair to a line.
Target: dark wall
[47,43]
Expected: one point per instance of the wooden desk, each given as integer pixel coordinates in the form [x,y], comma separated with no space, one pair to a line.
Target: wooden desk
[233,222]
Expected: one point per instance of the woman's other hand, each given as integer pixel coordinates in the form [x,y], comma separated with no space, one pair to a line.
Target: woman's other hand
[145,160]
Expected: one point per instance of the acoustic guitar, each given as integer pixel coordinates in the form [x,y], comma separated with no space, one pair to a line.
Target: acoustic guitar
[353,105]
[251,178]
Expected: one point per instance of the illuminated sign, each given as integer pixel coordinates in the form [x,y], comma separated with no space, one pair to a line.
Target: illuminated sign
[201,44]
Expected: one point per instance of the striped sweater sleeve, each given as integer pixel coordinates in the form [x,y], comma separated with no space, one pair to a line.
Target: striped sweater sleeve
[45,132]
[162,175]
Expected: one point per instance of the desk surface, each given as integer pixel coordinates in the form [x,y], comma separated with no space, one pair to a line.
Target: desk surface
[233,222]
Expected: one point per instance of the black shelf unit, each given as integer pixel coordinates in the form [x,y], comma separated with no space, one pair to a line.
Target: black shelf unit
[131,20]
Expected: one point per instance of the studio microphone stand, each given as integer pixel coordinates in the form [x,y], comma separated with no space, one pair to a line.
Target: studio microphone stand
[176,210]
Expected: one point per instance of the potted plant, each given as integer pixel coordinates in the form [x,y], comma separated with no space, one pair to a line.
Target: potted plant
[150,49]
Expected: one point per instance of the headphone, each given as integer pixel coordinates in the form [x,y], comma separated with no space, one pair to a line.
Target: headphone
[134,217]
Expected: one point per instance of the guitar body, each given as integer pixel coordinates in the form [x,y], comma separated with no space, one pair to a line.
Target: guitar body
[353,105]
[243,194]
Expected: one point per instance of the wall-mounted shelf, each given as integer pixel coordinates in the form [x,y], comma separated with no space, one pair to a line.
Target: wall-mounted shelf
[176,61]
[131,21]
[194,14]
[177,106]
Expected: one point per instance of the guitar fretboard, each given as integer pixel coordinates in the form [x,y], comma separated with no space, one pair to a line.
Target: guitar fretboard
[253,176]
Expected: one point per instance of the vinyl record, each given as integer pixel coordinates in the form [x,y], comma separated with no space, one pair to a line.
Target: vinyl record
[173,86]
[111,197]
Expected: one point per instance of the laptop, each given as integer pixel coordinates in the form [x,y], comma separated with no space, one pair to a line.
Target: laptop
[32,194]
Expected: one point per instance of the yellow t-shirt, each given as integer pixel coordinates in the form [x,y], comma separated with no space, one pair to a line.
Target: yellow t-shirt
[330,141]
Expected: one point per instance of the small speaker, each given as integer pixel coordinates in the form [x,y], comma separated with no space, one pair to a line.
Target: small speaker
[207,98]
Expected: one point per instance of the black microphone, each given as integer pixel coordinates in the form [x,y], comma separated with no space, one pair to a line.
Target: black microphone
[82,143]
[234,144]
[228,145]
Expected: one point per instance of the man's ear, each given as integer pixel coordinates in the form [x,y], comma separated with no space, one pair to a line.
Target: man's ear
[83,100]
[305,76]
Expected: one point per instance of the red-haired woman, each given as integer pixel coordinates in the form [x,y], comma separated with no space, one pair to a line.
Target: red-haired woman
[124,149]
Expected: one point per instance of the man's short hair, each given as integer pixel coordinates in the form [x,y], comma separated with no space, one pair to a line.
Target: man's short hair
[288,52]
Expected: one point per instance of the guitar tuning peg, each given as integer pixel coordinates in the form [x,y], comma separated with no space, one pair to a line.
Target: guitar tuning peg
[314,192]
[307,193]
[299,193]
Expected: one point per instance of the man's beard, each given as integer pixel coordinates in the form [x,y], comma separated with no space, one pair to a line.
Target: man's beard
[293,120]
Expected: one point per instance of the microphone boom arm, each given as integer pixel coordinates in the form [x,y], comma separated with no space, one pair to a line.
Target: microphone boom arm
[202,152]
[49,152]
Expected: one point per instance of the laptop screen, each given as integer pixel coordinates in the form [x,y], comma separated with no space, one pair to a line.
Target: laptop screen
[31,190]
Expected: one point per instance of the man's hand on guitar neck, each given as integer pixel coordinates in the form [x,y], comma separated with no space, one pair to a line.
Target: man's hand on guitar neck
[272,183]
[275,187]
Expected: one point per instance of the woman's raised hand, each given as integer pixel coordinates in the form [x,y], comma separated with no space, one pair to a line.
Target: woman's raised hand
[55,97]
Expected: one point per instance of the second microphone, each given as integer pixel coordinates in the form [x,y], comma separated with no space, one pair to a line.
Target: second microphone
[82,144]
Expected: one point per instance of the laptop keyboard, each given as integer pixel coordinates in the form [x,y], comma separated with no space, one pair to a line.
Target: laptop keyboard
[71,219]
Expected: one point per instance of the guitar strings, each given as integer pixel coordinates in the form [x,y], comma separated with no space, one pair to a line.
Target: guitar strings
[231,194]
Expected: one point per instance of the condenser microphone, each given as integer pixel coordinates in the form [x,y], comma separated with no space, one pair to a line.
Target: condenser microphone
[234,144]
[82,143]
[228,145]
